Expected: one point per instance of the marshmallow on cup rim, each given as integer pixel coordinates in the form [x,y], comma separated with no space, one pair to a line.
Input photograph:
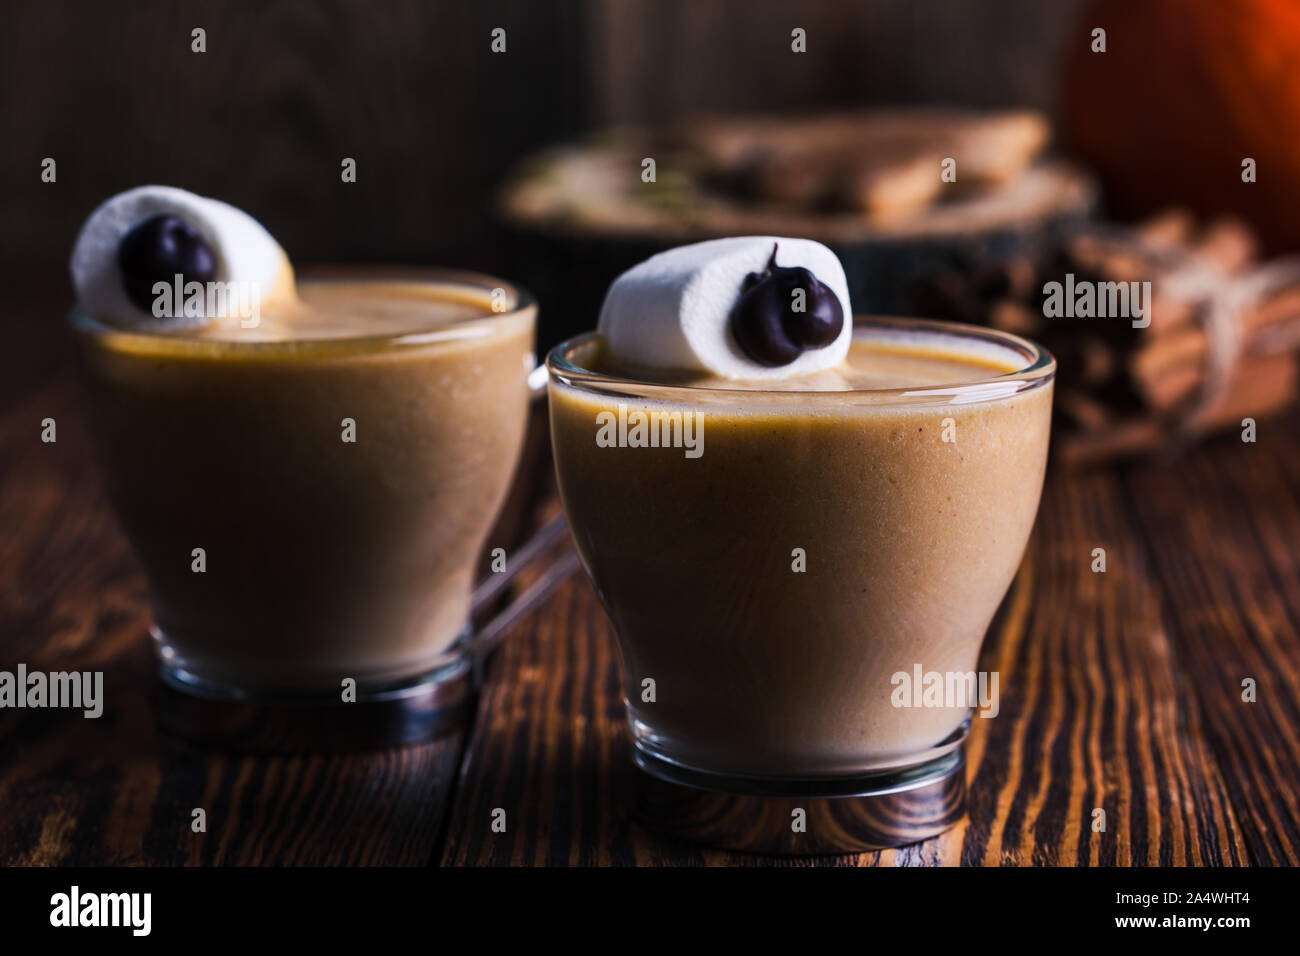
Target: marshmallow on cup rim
[674,310]
[244,251]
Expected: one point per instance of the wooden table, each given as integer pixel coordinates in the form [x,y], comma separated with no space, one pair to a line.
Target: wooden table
[1120,690]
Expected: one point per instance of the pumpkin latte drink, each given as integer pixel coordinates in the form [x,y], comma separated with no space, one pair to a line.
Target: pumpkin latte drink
[792,520]
[308,471]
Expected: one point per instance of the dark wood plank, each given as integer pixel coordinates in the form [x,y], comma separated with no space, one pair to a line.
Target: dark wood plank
[1224,527]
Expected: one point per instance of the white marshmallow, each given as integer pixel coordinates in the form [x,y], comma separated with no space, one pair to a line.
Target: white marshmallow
[673,310]
[244,250]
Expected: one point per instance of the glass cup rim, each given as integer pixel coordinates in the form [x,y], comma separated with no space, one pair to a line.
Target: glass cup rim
[1039,370]
[520,299]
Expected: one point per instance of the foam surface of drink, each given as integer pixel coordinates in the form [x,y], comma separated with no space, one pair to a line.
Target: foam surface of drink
[883,361]
[343,309]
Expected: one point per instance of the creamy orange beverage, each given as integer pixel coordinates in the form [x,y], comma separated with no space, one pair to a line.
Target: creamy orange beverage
[308,487]
[790,518]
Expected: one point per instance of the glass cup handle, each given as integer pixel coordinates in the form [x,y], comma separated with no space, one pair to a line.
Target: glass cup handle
[537,380]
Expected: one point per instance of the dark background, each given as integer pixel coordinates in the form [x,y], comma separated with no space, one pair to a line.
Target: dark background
[434,119]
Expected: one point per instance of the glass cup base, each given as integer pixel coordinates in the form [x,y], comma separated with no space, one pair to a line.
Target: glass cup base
[388,714]
[865,812]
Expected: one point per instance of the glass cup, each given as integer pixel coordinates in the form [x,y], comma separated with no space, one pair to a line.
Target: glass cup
[779,577]
[312,510]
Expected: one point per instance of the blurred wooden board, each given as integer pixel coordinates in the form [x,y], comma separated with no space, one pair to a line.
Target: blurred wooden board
[597,189]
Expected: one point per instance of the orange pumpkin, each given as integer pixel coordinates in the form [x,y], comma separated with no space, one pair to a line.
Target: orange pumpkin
[1186,90]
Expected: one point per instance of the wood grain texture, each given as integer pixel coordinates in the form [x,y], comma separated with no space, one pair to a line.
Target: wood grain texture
[1223,529]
